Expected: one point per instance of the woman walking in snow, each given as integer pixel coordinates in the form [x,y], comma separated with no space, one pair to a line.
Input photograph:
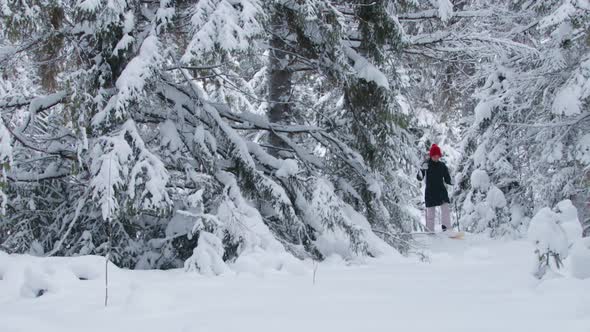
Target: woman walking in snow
[437,174]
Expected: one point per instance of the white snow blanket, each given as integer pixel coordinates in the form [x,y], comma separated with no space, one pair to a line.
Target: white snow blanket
[471,285]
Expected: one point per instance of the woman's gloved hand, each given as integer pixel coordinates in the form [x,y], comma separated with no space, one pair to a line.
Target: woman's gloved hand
[424,165]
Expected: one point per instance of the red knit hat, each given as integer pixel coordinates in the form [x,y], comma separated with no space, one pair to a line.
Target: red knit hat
[435,151]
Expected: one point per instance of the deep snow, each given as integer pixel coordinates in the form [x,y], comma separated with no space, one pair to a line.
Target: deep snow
[474,284]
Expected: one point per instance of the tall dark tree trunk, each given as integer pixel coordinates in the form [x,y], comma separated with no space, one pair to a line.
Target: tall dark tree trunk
[280,76]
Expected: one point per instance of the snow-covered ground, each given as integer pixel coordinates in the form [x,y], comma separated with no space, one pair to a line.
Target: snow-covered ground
[473,284]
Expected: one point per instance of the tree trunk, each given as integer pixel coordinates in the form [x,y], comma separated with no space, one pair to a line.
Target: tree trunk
[279,83]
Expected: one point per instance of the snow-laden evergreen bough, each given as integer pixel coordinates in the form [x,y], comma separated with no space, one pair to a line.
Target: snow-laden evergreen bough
[144,122]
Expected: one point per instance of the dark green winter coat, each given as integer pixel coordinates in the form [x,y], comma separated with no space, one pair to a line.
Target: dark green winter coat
[436,174]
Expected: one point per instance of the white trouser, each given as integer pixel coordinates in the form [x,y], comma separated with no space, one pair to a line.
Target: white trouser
[445,216]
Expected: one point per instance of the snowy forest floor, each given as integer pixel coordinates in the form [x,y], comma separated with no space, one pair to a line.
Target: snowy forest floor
[474,284]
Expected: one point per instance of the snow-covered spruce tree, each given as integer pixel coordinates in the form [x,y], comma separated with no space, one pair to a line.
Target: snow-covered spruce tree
[82,153]
[488,169]
[329,42]
[377,123]
[484,206]
[28,212]
[285,209]
[312,41]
